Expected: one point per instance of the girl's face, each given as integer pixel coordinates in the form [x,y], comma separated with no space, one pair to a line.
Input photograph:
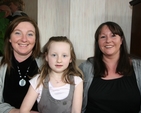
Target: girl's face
[23,39]
[109,43]
[59,56]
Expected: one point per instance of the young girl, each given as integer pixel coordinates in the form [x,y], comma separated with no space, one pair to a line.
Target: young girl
[59,86]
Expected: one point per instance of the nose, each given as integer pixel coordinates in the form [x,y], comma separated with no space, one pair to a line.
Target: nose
[108,39]
[24,38]
[59,59]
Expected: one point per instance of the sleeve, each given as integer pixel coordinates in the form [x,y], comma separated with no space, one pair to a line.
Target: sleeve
[34,82]
[77,80]
[86,67]
[137,70]
[81,66]
[4,107]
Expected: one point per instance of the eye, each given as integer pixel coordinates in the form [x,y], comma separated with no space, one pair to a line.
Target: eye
[64,55]
[17,33]
[53,55]
[102,36]
[30,34]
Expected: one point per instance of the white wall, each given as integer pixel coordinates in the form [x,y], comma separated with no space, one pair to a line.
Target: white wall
[78,19]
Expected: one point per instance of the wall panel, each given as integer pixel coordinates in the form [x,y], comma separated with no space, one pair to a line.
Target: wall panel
[53,16]
[78,19]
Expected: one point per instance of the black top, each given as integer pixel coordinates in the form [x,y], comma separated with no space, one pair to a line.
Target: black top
[114,96]
[13,92]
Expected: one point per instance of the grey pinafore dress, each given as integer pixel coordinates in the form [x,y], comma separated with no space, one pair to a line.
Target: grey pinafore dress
[48,104]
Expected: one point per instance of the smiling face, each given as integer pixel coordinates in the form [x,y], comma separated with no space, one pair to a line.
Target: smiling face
[23,39]
[109,43]
[59,56]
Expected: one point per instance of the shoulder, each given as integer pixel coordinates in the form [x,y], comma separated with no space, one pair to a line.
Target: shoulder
[136,62]
[87,65]
[39,61]
[77,80]
[34,83]
[34,79]
[87,69]
[3,67]
[137,67]
[89,61]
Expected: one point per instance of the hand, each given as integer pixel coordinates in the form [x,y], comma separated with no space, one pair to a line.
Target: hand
[34,112]
[14,110]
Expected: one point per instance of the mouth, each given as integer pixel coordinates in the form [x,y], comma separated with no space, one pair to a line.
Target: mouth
[58,66]
[108,46]
[23,45]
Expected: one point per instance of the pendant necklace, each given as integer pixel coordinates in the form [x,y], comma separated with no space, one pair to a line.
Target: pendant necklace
[22,81]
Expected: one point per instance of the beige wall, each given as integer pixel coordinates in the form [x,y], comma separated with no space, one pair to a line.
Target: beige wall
[78,19]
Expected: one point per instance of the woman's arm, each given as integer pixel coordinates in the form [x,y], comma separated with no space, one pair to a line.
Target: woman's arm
[29,100]
[77,98]
[4,107]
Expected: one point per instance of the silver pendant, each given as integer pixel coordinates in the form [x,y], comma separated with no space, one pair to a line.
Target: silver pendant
[22,82]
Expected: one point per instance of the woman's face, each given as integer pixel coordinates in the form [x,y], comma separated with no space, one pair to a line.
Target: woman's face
[23,39]
[109,43]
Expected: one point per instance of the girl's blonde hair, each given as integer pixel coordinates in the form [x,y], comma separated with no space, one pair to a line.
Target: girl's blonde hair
[72,69]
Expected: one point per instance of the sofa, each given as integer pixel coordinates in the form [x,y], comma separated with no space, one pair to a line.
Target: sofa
[79,61]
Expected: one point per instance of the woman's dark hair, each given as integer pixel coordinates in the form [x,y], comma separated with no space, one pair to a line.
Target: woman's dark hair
[8,49]
[124,64]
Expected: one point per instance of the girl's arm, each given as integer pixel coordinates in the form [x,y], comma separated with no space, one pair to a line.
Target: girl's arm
[77,98]
[29,100]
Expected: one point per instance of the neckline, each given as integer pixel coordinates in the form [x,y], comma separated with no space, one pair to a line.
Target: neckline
[20,66]
[57,87]
[114,79]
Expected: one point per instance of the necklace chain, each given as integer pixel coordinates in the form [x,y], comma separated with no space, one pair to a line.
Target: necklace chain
[19,71]
[57,81]
[22,81]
